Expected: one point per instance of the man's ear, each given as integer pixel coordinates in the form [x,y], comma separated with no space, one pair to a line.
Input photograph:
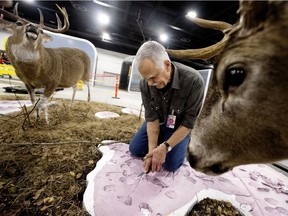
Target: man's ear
[167,64]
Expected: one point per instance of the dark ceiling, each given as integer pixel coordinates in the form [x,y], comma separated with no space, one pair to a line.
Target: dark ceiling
[126,18]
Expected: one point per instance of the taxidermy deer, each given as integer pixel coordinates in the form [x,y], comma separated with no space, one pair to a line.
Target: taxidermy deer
[244,118]
[40,67]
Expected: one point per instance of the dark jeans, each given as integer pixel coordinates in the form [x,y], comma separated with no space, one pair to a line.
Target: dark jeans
[174,159]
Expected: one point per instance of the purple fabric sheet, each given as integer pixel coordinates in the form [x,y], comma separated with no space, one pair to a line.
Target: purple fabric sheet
[115,188]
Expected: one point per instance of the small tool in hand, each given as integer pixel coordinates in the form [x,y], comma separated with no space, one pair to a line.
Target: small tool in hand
[142,173]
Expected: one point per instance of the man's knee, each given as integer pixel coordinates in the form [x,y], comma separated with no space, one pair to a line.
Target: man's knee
[172,166]
[135,149]
[131,149]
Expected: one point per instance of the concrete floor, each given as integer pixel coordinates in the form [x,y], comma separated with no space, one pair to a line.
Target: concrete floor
[99,93]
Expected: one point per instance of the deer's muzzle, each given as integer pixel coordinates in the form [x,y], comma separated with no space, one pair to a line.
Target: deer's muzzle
[213,169]
[32,32]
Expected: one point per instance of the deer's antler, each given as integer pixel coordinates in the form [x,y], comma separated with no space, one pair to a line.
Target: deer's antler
[59,29]
[16,17]
[207,52]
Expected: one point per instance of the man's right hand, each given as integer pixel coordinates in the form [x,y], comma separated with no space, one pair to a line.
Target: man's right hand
[156,158]
[147,164]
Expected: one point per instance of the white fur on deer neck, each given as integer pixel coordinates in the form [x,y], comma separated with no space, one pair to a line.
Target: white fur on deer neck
[21,53]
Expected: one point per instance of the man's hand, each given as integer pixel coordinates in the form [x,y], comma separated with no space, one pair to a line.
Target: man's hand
[155,158]
[147,164]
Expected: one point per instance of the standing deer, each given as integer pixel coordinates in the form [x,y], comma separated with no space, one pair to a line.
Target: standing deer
[40,67]
[244,118]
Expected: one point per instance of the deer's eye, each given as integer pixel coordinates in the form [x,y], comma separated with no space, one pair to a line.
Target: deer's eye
[18,23]
[234,77]
[41,31]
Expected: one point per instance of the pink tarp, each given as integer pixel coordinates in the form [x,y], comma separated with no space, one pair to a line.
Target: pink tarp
[115,188]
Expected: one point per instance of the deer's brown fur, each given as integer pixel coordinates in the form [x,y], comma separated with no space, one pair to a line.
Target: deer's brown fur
[246,122]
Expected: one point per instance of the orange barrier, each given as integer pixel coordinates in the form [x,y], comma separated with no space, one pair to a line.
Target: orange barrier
[108,76]
[116,87]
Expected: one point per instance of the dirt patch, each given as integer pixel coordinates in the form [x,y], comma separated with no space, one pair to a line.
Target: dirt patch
[213,207]
[43,167]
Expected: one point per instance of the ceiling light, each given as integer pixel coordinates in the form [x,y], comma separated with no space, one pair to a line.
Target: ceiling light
[101,3]
[106,36]
[103,19]
[192,14]
[163,37]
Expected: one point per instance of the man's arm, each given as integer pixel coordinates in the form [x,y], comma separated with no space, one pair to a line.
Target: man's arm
[153,134]
[178,135]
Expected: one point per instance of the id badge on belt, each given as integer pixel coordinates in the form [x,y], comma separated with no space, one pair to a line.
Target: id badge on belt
[171,120]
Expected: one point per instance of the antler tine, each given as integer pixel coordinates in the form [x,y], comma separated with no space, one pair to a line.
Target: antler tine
[66,22]
[217,25]
[41,18]
[59,22]
[207,52]
[15,11]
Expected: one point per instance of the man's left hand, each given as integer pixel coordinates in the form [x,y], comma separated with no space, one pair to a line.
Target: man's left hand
[158,156]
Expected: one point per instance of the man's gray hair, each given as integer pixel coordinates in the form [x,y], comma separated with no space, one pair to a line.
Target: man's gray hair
[154,51]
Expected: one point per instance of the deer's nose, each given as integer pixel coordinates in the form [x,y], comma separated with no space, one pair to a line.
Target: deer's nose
[191,159]
[31,25]
[32,28]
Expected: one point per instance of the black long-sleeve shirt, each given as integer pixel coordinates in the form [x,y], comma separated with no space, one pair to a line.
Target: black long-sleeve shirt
[183,98]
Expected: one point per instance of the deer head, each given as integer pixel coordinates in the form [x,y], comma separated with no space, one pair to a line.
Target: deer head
[25,31]
[243,119]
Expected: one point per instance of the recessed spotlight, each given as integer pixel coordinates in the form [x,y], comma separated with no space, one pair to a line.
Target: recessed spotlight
[163,37]
[106,36]
[103,19]
[192,14]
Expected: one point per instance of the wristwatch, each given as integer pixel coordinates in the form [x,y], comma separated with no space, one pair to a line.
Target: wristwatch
[168,147]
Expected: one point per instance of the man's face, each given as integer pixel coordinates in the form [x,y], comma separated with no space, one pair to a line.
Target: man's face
[155,76]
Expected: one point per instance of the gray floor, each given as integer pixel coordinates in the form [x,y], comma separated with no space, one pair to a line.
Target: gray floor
[99,93]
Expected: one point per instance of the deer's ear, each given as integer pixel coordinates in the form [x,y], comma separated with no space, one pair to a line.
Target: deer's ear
[46,37]
[254,14]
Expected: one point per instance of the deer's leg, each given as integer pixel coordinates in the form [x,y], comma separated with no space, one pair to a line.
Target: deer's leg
[73,96]
[46,114]
[31,92]
[48,91]
[88,86]
[43,102]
